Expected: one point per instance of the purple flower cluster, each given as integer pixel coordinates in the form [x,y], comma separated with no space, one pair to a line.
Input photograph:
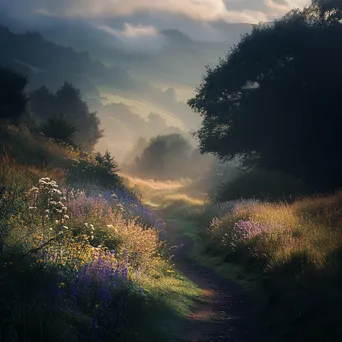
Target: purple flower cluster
[103,274]
[247,229]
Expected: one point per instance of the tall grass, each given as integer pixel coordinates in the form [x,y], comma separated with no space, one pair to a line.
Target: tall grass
[88,263]
[294,250]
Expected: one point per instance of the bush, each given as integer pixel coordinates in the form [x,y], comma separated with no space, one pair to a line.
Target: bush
[59,129]
[263,185]
[98,172]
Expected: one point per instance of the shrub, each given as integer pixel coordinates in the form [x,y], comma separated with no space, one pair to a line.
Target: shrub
[99,171]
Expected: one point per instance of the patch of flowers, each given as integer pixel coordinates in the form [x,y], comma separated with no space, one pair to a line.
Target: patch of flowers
[96,242]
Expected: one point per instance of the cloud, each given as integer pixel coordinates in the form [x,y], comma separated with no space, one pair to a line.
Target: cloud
[233,11]
[136,37]
[134,21]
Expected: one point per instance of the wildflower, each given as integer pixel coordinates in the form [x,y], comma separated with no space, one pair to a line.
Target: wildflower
[66,217]
[32,208]
[61,284]
[56,221]
[97,305]
[65,227]
[170,271]
[47,211]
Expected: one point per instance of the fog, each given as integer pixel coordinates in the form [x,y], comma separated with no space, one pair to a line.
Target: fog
[136,75]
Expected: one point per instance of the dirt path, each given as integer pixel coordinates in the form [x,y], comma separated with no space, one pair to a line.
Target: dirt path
[224,313]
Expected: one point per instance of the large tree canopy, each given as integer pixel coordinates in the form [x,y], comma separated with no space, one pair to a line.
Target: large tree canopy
[276,99]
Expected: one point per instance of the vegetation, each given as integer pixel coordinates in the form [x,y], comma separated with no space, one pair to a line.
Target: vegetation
[53,110]
[80,257]
[169,157]
[296,247]
[13,101]
[80,263]
[267,101]
[59,129]
[83,256]
[287,256]
[260,184]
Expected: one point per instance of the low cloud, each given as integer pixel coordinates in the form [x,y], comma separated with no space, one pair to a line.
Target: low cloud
[136,37]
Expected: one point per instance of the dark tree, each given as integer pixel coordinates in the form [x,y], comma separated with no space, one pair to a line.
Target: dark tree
[59,129]
[42,103]
[67,101]
[70,103]
[13,100]
[276,99]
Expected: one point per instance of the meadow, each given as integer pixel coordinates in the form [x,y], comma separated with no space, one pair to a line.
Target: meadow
[287,256]
[81,258]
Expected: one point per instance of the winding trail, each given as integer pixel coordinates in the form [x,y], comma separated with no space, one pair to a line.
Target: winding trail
[224,313]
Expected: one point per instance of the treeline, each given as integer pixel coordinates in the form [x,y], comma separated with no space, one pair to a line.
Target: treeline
[62,116]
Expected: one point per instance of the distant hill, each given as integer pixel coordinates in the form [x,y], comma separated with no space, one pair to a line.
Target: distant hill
[46,63]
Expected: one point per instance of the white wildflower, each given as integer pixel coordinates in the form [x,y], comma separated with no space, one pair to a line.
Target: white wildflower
[66,217]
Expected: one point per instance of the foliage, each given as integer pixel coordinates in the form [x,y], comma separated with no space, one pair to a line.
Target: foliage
[99,171]
[261,184]
[59,129]
[67,102]
[13,100]
[75,266]
[297,248]
[274,100]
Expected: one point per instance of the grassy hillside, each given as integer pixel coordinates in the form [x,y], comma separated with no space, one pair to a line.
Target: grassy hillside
[288,254]
[80,257]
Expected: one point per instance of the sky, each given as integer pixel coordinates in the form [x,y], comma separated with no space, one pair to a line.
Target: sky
[128,19]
